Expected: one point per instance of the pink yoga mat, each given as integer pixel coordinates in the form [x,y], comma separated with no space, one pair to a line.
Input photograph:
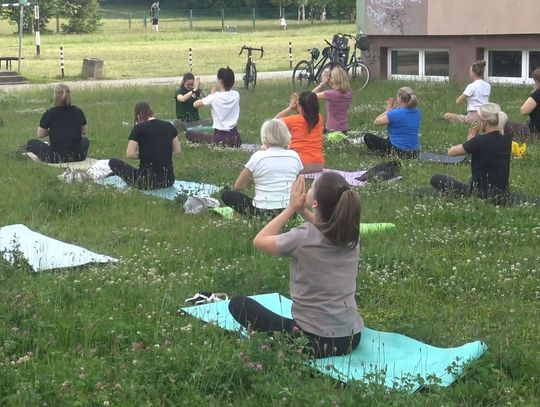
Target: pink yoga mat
[348,175]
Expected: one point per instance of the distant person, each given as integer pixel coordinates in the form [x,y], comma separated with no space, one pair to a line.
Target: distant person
[490,149]
[475,94]
[403,124]
[282,23]
[273,169]
[306,128]
[154,15]
[224,103]
[65,126]
[153,142]
[338,98]
[323,15]
[188,93]
[531,128]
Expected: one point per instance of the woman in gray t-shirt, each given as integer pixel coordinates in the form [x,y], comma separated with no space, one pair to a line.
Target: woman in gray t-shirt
[324,266]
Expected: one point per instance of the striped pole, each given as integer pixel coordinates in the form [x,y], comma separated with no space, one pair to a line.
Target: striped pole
[190,55]
[38,36]
[62,61]
[290,55]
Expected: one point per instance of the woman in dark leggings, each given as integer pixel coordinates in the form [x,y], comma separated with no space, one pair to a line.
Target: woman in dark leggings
[65,126]
[490,151]
[324,265]
[153,142]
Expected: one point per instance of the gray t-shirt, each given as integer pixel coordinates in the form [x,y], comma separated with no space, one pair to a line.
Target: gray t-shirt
[323,282]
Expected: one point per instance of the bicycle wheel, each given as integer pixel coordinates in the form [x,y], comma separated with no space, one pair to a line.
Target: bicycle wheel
[252,77]
[360,73]
[303,75]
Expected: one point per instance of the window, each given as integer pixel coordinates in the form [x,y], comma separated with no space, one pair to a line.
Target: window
[511,66]
[418,64]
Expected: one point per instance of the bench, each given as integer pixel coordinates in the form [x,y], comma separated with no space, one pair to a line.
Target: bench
[8,61]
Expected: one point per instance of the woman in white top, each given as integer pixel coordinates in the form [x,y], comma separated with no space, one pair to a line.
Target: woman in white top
[476,94]
[273,169]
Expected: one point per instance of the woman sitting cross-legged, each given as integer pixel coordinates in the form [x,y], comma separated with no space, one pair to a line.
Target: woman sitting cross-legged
[153,142]
[272,169]
[403,122]
[188,93]
[531,128]
[490,151]
[323,268]
[306,128]
[338,98]
[65,126]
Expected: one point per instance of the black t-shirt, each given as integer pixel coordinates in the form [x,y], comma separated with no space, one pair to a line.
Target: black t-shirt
[534,123]
[64,124]
[155,147]
[490,163]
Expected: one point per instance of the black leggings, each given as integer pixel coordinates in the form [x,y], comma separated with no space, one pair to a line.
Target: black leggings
[252,315]
[140,178]
[46,154]
[383,147]
[243,204]
[449,185]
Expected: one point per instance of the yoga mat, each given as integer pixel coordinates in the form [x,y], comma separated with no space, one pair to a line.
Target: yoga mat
[393,359]
[251,148]
[170,193]
[440,158]
[75,166]
[365,228]
[350,176]
[42,252]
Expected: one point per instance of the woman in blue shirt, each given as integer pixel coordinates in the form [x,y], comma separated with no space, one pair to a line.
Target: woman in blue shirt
[403,121]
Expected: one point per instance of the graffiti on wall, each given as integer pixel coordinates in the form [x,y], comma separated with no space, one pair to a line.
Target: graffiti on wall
[396,16]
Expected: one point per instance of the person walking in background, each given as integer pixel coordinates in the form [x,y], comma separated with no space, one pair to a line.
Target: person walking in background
[282,23]
[154,15]
[475,94]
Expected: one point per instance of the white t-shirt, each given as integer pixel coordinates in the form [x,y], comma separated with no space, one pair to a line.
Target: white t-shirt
[477,94]
[273,171]
[225,107]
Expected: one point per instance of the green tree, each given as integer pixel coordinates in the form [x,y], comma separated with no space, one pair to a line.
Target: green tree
[84,17]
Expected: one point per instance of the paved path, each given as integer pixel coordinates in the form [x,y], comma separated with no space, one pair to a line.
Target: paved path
[118,83]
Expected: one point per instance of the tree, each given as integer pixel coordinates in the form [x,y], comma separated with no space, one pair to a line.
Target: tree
[47,8]
[83,18]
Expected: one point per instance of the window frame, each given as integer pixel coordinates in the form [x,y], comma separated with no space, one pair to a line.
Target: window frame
[421,65]
[524,79]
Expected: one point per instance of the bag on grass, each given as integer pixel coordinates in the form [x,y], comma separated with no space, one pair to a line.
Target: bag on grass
[199,203]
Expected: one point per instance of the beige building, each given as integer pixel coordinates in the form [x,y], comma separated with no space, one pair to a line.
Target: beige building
[439,39]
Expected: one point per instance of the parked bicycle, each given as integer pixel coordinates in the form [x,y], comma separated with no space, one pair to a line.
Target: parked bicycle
[356,68]
[306,73]
[250,71]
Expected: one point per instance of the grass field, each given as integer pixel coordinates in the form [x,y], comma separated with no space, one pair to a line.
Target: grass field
[140,54]
[452,271]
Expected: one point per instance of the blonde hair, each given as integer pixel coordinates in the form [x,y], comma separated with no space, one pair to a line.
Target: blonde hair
[408,96]
[275,133]
[62,95]
[493,115]
[340,79]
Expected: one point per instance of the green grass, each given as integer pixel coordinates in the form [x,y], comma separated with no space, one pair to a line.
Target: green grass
[140,54]
[452,271]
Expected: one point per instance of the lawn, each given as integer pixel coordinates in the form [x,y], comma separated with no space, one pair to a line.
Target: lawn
[452,271]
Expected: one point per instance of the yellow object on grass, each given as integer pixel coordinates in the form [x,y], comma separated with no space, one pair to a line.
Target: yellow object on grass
[518,149]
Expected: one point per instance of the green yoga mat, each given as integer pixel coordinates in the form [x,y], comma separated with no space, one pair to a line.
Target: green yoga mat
[365,228]
[392,359]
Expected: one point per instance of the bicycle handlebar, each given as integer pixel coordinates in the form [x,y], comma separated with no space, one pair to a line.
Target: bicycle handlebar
[333,46]
[249,49]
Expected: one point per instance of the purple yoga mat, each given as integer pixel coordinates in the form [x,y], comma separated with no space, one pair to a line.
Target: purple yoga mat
[348,175]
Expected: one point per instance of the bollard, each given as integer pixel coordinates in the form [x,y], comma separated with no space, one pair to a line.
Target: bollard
[190,19]
[290,55]
[190,60]
[38,37]
[253,16]
[62,61]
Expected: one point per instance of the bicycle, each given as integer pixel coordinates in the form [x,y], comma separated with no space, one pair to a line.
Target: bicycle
[250,71]
[306,73]
[355,67]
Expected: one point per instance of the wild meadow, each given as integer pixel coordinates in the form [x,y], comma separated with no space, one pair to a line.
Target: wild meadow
[452,271]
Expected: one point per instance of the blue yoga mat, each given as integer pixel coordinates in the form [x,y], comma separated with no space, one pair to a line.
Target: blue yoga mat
[170,193]
[383,357]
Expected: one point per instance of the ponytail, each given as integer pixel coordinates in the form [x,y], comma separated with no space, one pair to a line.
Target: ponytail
[478,68]
[62,95]
[493,115]
[408,96]
[502,118]
[310,108]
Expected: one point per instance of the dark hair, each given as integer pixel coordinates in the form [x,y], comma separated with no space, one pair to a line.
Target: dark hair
[227,77]
[478,68]
[188,76]
[142,112]
[536,74]
[339,209]
[310,108]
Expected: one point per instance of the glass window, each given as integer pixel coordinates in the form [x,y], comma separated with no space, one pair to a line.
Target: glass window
[436,63]
[505,64]
[534,61]
[404,63]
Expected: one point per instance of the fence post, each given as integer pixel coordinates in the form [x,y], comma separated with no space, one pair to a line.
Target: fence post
[38,34]
[145,16]
[290,55]
[129,20]
[62,61]
[222,19]
[57,23]
[190,57]
[191,19]
[253,16]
